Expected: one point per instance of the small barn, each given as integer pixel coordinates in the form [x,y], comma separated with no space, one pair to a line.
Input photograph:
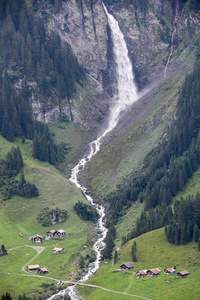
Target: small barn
[60,233]
[183,274]
[42,271]
[51,233]
[37,238]
[127,266]
[141,274]
[58,250]
[169,271]
[153,272]
[32,268]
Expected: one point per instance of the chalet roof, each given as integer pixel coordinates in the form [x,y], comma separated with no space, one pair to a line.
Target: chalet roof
[61,231]
[33,267]
[128,265]
[37,236]
[43,269]
[170,270]
[52,231]
[155,271]
[58,249]
[143,272]
[184,273]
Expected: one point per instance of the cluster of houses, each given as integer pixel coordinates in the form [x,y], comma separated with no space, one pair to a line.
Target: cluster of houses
[37,268]
[52,233]
[153,272]
[56,233]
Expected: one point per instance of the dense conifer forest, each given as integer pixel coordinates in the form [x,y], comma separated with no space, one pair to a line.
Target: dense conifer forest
[167,168]
[38,64]
[9,185]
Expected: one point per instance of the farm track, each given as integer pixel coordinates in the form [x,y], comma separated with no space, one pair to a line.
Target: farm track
[39,250]
[78,283]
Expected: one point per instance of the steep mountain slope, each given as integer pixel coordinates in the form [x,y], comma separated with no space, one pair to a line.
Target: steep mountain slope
[149,119]
[74,42]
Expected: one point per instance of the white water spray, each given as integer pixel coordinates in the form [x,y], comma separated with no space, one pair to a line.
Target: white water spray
[174,29]
[125,96]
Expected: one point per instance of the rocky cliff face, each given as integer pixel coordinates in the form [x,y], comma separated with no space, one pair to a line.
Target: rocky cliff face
[147,30]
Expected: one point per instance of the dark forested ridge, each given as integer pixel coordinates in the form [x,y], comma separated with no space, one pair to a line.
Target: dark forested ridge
[32,62]
[9,185]
[167,168]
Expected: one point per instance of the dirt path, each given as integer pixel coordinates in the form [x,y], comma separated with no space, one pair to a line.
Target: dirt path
[38,249]
[130,283]
[79,283]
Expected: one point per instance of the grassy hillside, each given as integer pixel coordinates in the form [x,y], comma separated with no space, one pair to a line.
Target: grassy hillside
[20,215]
[137,139]
[153,250]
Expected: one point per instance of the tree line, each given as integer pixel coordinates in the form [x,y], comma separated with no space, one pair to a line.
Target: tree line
[185,223]
[9,169]
[33,62]
[169,166]
[85,211]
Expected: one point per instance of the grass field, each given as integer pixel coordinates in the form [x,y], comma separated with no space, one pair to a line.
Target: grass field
[19,215]
[153,250]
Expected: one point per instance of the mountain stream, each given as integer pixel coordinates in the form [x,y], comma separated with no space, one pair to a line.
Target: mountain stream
[125,96]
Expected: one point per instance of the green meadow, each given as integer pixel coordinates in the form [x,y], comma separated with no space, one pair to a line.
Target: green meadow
[153,251]
[19,215]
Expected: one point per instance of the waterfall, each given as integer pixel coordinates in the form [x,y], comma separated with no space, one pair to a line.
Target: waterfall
[174,30]
[125,96]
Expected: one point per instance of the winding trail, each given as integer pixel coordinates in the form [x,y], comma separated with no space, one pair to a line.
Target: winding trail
[39,250]
[78,283]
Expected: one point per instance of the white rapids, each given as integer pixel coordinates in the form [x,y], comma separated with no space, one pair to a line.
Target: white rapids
[125,96]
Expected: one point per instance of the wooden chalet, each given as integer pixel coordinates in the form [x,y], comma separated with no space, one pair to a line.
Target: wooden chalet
[153,272]
[37,238]
[141,274]
[58,250]
[183,274]
[42,271]
[127,266]
[60,233]
[51,233]
[32,268]
[169,271]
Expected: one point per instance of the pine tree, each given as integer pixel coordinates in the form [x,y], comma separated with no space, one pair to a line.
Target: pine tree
[183,235]
[133,251]
[3,249]
[116,257]
[19,159]
[5,124]
[196,233]
[81,262]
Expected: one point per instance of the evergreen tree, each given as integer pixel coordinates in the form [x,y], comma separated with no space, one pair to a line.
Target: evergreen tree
[107,252]
[183,235]
[3,249]
[81,262]
[196,233]
[116,257]
[6,296]
[133,251]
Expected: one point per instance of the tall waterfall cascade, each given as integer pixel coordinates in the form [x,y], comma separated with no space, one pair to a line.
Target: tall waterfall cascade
[125,96]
